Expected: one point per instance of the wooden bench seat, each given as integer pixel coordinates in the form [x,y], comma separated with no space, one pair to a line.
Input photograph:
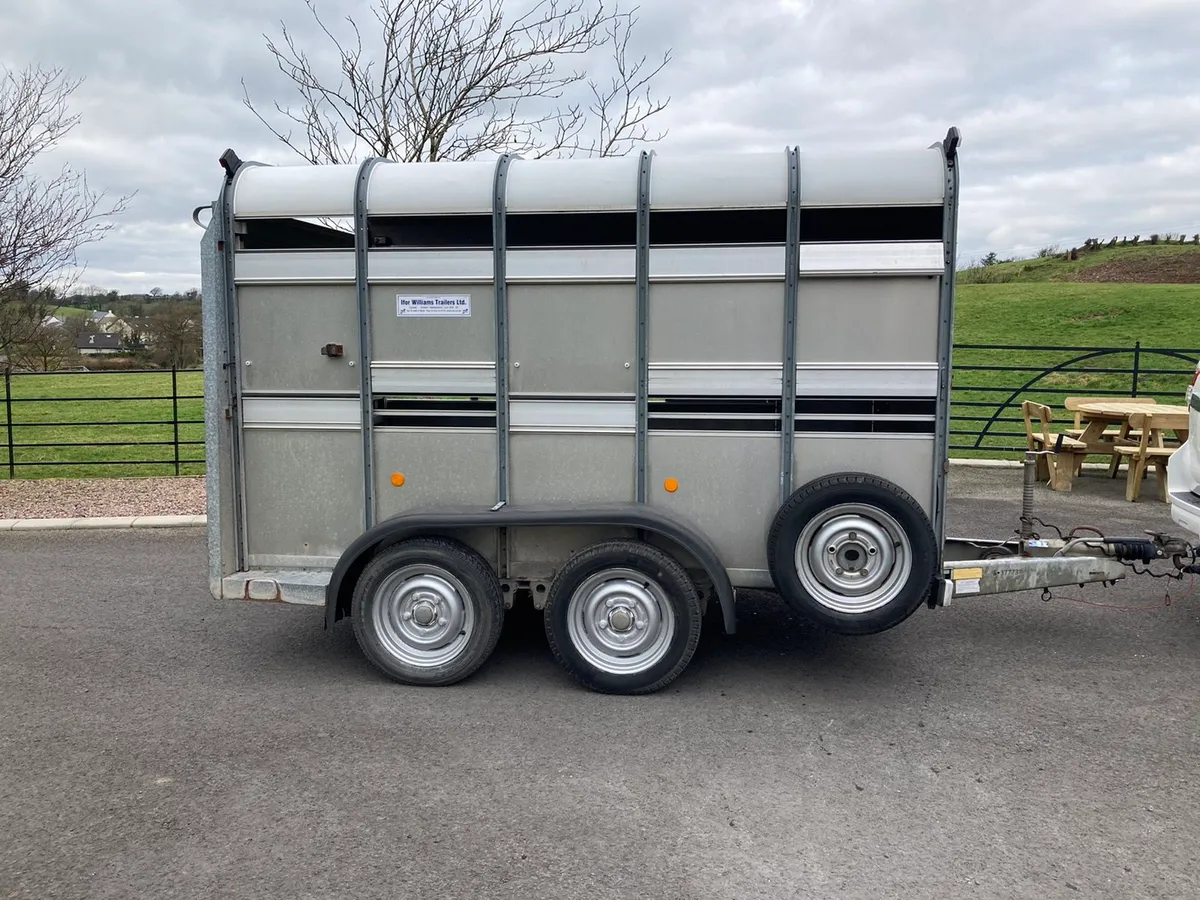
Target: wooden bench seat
[1061,455]
[1149,451]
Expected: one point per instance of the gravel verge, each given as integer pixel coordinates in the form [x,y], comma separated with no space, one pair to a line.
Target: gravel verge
[61,498]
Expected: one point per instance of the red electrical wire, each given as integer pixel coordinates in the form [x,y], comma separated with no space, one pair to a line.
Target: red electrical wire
[1167,601]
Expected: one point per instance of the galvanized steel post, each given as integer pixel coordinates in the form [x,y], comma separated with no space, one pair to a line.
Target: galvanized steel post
[643,318]
[362,292]
[791,290]
[226,246]
[500,276]
[941,462]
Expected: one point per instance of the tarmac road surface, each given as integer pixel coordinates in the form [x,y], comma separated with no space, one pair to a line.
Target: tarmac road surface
[156,743]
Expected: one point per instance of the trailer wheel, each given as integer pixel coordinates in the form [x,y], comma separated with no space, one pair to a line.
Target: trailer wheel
[853,553]
[623,617]
[428,611]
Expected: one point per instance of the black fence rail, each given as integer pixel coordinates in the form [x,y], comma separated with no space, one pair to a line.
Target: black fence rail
[990,381]
[152,421]
[141,422]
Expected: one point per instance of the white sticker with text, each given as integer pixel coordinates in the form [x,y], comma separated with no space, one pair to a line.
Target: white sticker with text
[433,305]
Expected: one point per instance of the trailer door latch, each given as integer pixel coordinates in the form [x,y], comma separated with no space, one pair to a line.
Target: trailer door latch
[332,350]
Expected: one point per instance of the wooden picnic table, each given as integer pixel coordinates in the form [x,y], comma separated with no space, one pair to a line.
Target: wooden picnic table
[1140,450]
[1099,414]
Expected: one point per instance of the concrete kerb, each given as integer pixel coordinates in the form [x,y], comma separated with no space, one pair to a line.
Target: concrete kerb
[1010,464]
[100,522]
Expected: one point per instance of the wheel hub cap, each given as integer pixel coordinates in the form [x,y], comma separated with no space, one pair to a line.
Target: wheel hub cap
[853,558]
[422,615]
[620,621]
[852,555]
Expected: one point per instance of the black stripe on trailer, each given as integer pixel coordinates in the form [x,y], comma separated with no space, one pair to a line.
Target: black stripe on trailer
[848,415]
[818,225]
[669,228]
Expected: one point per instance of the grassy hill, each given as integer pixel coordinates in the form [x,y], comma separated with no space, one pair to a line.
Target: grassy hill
[1142,263]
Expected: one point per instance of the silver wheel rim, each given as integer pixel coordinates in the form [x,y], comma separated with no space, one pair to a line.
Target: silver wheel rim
[620,621]
[423,616]
[853,558]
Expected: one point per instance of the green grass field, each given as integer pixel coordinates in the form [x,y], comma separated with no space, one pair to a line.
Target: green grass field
[93,398]
[1034,302]
[1060,314]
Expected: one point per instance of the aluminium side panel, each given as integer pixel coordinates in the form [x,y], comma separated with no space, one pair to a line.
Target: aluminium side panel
[284,328]
[303,484]
[300,415]
[440,466]
[727,483]
[572,339]
[867,380]
[715,324]
[901,458]
[715,361]
[400,335]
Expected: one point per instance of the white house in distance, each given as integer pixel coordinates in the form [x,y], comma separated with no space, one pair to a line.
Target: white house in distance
[98,344]
[106,321]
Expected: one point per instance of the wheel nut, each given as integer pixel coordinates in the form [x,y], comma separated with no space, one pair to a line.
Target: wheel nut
[833,549]
[872,550]
[840,571]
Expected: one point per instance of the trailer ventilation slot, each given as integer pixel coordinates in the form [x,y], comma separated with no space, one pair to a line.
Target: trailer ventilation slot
[818,225]
[715,414]
[292,234]
[867,406]
[442,232]
[433,412]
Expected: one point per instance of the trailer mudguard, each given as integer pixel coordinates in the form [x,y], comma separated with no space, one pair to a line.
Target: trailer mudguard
[444,520]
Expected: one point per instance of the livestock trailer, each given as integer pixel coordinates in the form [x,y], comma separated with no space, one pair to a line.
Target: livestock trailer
[622,389]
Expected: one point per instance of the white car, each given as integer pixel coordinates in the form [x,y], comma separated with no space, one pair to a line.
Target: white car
[1183,473]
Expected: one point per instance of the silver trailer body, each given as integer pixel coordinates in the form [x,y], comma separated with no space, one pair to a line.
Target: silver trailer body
[651,348]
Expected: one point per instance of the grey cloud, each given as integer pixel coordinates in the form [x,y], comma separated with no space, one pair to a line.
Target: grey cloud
[1079,118]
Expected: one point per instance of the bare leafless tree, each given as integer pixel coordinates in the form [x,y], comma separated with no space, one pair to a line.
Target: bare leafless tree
[174,334]
[456,79]
[44,221]
[50,347]
[22,312]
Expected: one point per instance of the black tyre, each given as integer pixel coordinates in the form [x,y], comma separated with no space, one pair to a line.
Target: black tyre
[623,617]
[852,553]
[428,611]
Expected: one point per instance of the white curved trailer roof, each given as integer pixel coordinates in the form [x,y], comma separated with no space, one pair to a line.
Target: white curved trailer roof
[726,181]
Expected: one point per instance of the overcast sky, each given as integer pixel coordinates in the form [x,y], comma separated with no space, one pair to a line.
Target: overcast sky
[1080,118]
